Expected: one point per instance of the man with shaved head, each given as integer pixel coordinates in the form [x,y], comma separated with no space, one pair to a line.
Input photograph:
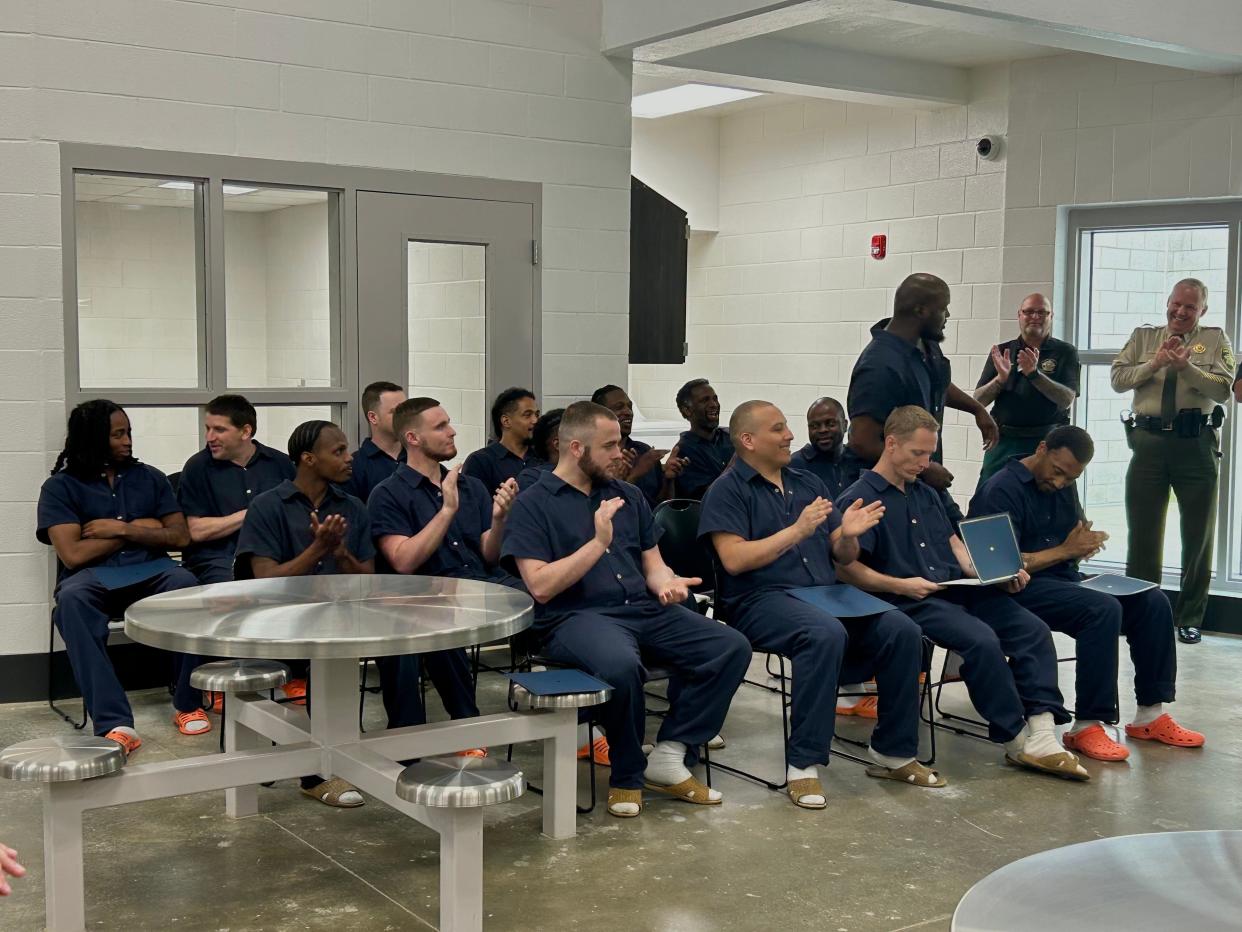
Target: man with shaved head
[584,543]
[1030,382]
[825,425]
[776,536]
[904,365]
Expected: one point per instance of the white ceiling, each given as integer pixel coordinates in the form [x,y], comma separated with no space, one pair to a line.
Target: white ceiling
[877,35]
[146,192]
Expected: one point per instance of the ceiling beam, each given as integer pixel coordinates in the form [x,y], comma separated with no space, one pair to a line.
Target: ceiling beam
[781,66]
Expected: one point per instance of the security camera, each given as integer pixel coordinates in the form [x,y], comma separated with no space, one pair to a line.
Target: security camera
[989,148]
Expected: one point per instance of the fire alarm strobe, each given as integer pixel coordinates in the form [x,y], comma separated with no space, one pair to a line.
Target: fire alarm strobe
[879,246]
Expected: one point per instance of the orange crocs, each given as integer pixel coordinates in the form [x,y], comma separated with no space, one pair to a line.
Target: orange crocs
[1095,742]
[1166,731]
[295,691]
[472,752]
[129,743]
[192,723]
[866,707]
[597,749]
[214,702]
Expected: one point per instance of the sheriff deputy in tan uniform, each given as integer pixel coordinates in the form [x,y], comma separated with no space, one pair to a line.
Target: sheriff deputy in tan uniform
[1180,374]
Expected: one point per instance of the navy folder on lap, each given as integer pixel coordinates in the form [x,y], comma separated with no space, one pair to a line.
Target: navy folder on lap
[993,547]
[1116,584]
[558,682]
[842,601]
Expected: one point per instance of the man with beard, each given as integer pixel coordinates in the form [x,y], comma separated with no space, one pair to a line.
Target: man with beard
[641,465]
[904,365]
[1039,495]
[605,601]
[435,521]
[706,446]
[826,425]
[514,414]
[1180,374]
[1031,383]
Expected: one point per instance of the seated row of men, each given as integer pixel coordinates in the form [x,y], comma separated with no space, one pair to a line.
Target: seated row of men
[581,540]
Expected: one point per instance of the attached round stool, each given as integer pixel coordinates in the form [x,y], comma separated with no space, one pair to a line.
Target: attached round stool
[460,782]
[522,698]
[61,759]
[239,676]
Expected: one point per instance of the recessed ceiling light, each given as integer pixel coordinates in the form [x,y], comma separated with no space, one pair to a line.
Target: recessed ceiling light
[229,189]
[685,98]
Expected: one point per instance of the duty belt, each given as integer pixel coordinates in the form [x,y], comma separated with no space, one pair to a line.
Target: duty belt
[1157,425]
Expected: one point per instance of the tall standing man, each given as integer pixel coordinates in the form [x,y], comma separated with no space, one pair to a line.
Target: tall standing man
[1181,374]
[1030,382]
[904,365]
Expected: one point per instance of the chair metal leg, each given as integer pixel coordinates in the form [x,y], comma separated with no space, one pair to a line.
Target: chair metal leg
[51,669]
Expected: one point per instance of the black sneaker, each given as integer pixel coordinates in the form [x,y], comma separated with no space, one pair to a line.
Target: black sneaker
[1189,635]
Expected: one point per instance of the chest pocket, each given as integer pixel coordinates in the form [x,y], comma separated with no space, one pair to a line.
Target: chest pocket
[939,530]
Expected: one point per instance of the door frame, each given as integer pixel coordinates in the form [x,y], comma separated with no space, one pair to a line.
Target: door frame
[346,181]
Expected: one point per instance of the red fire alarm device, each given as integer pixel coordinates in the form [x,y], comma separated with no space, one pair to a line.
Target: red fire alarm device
[879,246]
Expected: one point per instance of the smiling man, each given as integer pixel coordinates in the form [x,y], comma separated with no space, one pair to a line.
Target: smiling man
[1180,374]
[825,425]
[705,447]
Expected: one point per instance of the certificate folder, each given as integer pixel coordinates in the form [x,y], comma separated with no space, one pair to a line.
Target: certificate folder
[993,548]
[1116,584]
[558,682]
[842,601]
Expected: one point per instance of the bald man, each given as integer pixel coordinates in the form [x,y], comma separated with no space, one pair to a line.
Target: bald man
[1030,382]
[825,426]
[776,536]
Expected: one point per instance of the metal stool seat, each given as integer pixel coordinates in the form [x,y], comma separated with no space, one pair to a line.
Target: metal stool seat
[239,676]
[522,698]
[460,782]
[61,759]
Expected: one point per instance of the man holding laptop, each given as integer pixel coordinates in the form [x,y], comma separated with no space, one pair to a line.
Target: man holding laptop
[915,560]
[1039,495]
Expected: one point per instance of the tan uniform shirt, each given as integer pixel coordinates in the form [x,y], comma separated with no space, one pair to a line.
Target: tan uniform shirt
[1206,382]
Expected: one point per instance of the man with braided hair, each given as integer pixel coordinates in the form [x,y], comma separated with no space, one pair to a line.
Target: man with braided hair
[112,521]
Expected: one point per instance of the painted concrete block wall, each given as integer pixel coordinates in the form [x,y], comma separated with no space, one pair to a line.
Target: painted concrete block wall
[510,90]
[781,300]
[446,321]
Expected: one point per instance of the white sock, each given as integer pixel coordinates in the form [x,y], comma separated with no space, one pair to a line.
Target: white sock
[1014,744]
[1042,739]
[1146,714]
[125,730]
[195,728]
[887,760]
[848,702]
[1081,724]
[666,766]
[806,773]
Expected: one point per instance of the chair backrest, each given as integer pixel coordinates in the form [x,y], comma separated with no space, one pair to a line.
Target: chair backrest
[678,522]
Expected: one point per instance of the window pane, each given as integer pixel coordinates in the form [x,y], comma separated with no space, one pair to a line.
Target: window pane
[137,270]
[1103,486]
[165,437]
[276,287]
[276,422]
[446,315]
[1131,272]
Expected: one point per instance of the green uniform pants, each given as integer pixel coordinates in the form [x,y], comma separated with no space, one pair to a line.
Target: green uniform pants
[1188,466]
[994,460]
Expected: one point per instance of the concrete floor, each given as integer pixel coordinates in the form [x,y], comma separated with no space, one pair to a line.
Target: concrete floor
[881,857]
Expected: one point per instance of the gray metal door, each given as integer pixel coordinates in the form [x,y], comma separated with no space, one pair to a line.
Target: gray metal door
[447,300]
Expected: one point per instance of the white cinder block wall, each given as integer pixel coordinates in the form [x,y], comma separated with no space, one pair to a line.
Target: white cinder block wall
[510,90]
[781,300]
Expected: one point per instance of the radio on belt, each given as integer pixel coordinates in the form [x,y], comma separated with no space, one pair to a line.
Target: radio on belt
[879,246]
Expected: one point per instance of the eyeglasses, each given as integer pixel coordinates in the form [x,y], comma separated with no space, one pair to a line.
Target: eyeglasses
[1039,315]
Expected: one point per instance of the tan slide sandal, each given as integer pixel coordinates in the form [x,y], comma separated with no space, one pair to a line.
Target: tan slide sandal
[1063,764]
[808,786]
[689,790]
[913,773]
[620,796]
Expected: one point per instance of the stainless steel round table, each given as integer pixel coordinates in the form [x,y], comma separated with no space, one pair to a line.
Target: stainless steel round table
[327,617]
[334,621]
[1140,883]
